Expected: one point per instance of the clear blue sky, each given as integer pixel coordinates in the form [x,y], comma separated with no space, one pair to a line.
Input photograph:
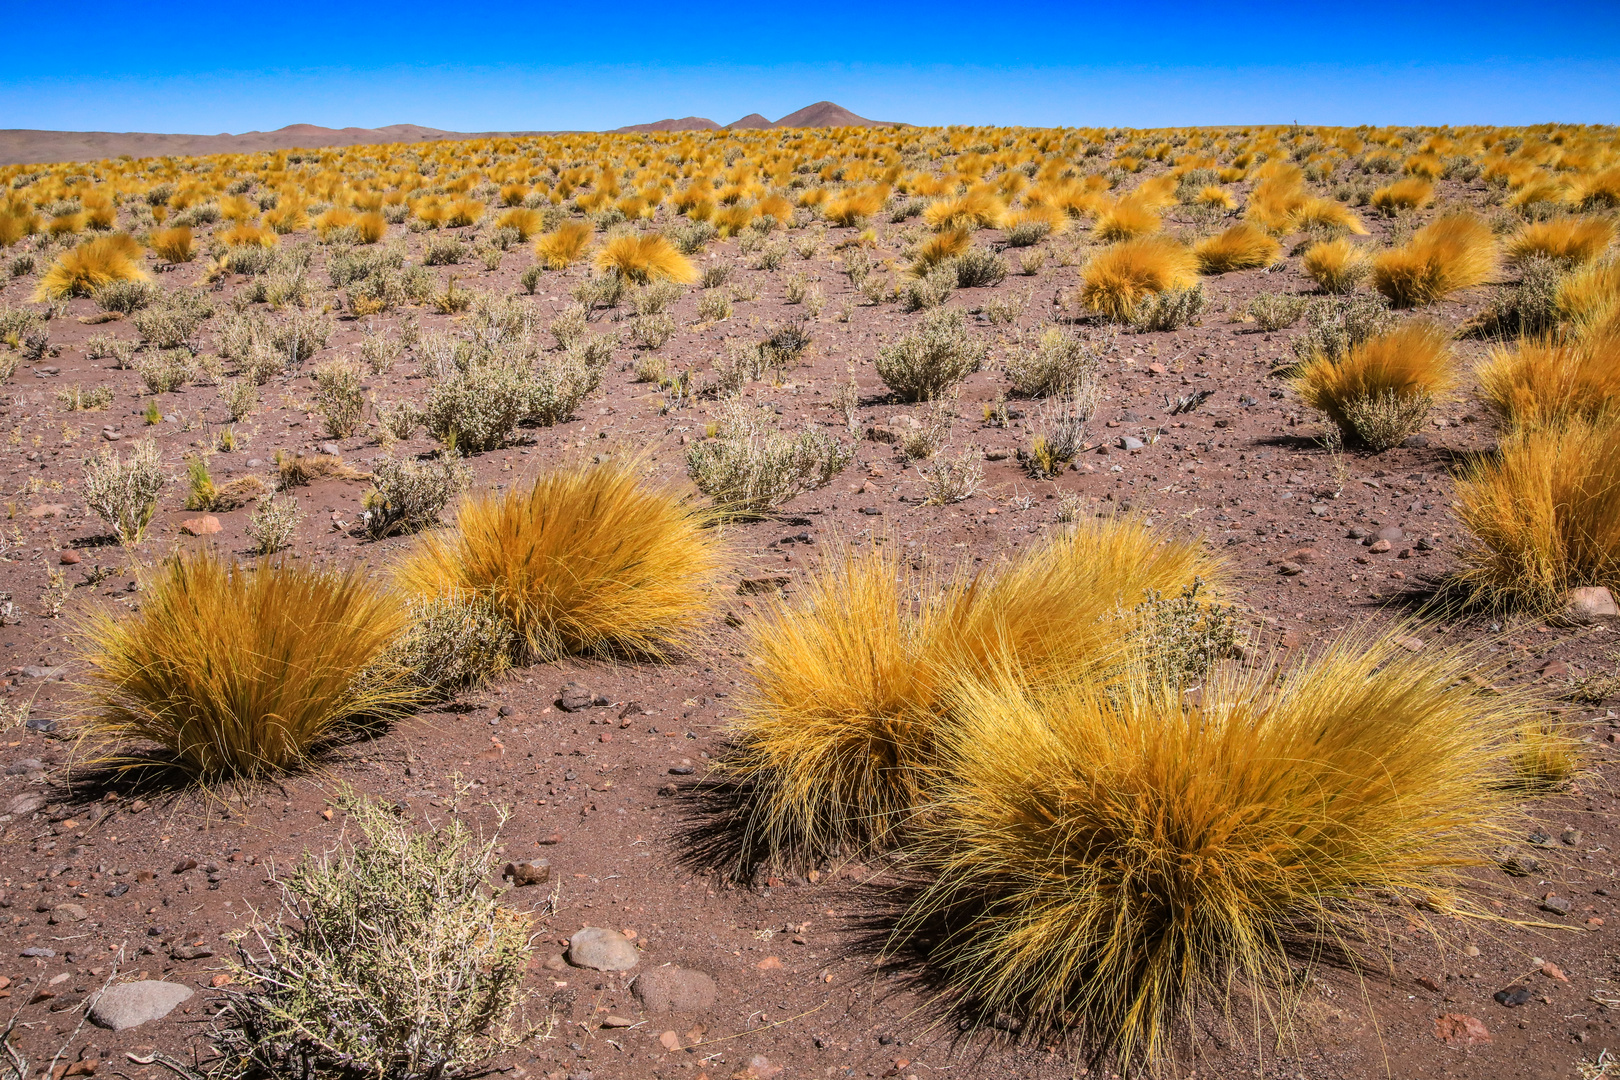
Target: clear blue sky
[191,66]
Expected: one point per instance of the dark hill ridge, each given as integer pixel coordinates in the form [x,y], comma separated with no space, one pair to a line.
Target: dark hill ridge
[31,146]
[821,114]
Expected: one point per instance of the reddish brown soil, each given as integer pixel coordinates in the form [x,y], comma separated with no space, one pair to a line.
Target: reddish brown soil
[587,789]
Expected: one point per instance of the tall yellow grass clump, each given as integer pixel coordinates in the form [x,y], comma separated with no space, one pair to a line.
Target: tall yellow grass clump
[1244,246]
[246,234]
[974,209]
[173,245]
[370,227]
[1453,253]
[585,561]
[1412,193]
[851,208]
[1538,382]
[1589,299]
[528,223]
[939,248]
[563,246]
[91,265]
[1575,241]
[240,671]
[1544,515]
[643,258]
[1337,266]
[1108,859]
[1120,277]
[1382,390]
[1125,219]
[835,732]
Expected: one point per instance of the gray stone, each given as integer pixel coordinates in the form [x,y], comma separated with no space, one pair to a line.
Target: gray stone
[69,913]
[132,1004]
[38,952]
[573,697]
[1558,905]
[26,765]
[35,671]
[1392,533]
[674,989]
[1593,602]
[1126,442]
[26,803]
[602,950]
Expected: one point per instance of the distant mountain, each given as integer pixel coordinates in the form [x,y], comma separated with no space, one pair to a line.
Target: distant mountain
[24,146]
[821,114]
[20,146]
[685,123]
[828,114]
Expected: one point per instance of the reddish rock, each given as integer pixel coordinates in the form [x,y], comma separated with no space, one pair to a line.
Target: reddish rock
[207,525]
[70,558]
[1456,1029]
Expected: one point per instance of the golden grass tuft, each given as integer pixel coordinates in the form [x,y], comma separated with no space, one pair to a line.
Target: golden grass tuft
[1447,255]
[644,258]
[938,248]
[1126,219]
[563,246]
[1412,193]
[1109,859]
[975,209]
[1575,241]
[1119,278]
[91,265]
[1383,383]
[1589,299]
[585,561]
[1544,516]
[850,209]
[1244,246]
[1538,382]
[246,234]
[528,223]
[1337,266]
[172,245]
[370,227]
[1215,198]
[835,730]
[1326,214]
[240,671]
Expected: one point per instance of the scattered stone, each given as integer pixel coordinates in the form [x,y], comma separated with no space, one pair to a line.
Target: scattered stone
[38,952]
[1558,905]
[611,1021]
[1410,644]
[1417,442]
[1553,669]
[1571,836]
[26,803]
[1378,547]
[682,770]
[190,952]
[670,1041]
[997,454]
[37,671]
[770,963]
[1127,442]
[521,874]
[1305,556]
[183,865]
[574,697]
[870,511]
[1429,982]
[1587,604]
[1456,1029]
[1553,971]
[674,989]
[761,586]
[1356,532]
[207,525]
[602,950]
[48,510]
[551,838]
[760,1068]
[1516,863]
[68,913]
[118,890]
[1393,533]
[132,1004]
[69,557]
[1512,997]
[1290,569]
[632,708]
